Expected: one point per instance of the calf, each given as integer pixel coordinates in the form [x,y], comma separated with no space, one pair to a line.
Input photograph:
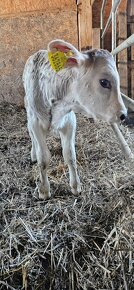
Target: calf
[88,83]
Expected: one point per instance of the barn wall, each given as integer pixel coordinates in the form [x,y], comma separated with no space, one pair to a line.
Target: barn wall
[125,58]
[122,57]
[25,28]
[96,20]
[125,27]
[9,7]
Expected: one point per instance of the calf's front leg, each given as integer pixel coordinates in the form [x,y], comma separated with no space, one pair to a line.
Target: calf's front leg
[67,130]
[42,154]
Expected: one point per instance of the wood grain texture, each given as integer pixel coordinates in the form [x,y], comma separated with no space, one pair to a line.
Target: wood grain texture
[84,23]
[96,37]
[122,56]
[21,36]
[17,6]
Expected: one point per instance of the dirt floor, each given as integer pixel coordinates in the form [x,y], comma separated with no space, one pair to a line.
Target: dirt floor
[69,242]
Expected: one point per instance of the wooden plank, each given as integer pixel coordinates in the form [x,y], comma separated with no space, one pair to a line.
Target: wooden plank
[22,35]
[122,56]
[84,23]
[96,37]
[17,6]
[92,2]
[122,6]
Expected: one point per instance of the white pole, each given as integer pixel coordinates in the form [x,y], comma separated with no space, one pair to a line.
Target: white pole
[102,19]
[114,28]
[128,42]
[107,26]
[102,11]
[113,9]
[129,103]
[124,146]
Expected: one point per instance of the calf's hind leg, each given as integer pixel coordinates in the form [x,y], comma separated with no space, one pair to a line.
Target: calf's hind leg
[33,149]
[67,130]
[42,153]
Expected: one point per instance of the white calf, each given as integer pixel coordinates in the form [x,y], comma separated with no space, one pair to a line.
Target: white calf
[89,84]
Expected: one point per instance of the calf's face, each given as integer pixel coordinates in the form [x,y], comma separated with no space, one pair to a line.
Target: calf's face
[96,86]
[99,87]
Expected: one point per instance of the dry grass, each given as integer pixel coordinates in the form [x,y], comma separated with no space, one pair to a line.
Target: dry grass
[69,242]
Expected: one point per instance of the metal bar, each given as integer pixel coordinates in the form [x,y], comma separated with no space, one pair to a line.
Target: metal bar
[124,146]
[128,42]
[114,29]
[107,25]
[113,9]
[102,11]
[129,103]
[102,20]
[114,33]
[115,5]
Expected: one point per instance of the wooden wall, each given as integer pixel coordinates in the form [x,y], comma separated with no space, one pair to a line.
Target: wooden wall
[25,27]
[89,23]
[125,58]
[122,57]
[125,27]
[9,7]
[84,10]
[96,20]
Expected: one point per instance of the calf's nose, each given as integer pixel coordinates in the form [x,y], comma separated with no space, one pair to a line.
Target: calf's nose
[123,117]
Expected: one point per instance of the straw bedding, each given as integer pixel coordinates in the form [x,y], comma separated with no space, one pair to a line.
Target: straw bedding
[68,242]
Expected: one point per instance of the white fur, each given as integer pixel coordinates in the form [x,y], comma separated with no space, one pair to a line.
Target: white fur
[51,100]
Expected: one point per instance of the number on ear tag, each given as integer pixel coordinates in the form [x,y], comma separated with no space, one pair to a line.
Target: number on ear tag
[58,59]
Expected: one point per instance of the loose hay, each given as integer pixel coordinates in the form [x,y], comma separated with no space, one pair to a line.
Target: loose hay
[69,242]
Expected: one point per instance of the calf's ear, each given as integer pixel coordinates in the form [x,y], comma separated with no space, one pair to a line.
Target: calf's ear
[74,57]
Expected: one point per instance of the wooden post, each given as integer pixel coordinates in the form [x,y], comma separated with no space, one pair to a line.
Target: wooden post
[122,56]
[84,23]
[96,37]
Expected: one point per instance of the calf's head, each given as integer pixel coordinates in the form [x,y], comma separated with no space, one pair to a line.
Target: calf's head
[96,86]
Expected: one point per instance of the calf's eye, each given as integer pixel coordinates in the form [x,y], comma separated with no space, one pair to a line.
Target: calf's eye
[105,84]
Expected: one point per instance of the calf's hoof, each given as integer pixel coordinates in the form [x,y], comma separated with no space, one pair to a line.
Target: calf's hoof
[33,156]
[76,189]
[44,193]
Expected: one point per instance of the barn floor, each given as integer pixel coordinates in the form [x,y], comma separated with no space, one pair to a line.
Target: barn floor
[69,242]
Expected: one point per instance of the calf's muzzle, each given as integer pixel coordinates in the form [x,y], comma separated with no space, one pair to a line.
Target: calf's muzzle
[123,117]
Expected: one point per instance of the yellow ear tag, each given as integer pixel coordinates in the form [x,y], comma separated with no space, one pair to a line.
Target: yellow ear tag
[58,59]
